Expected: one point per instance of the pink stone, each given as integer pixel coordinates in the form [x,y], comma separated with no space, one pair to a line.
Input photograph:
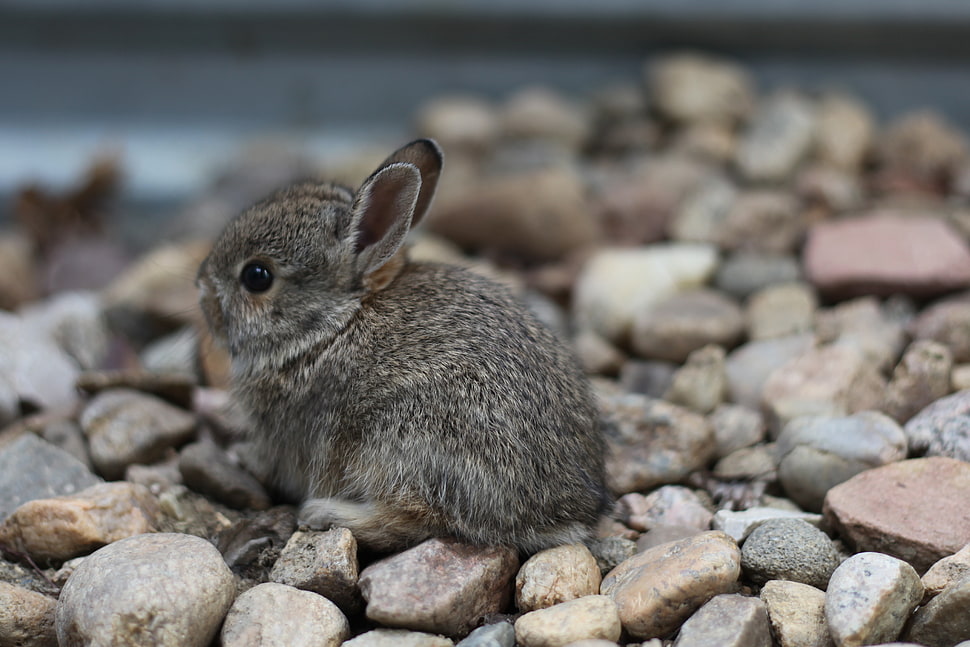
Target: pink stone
[886,254]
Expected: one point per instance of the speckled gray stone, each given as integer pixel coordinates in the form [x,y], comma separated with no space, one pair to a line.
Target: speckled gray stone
[789,549]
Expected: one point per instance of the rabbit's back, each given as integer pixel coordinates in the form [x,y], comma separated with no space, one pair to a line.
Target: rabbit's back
[445,389]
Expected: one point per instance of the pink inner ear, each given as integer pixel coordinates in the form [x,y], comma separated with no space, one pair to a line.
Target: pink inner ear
[388,198]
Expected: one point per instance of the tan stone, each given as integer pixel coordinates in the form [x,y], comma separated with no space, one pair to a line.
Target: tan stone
[26,618]
[592,616]
[556,575]
[64,527]
[947,571]
[276,615]
[796,612]
[656,590]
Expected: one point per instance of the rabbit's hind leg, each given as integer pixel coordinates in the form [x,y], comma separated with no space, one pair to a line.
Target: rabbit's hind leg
[376,525]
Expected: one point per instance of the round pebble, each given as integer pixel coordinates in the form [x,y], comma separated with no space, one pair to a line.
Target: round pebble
[556,575]
[178,582]
[592,616]
[276,615]
[789,549]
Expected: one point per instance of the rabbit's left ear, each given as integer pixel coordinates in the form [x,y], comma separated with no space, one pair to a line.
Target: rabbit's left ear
[427,157]
[393,199]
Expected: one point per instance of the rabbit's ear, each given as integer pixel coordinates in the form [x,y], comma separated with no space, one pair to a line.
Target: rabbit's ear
[427,157]
[382,213]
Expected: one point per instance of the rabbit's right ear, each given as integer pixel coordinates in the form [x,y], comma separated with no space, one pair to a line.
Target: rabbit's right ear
[382,212]
[426,156]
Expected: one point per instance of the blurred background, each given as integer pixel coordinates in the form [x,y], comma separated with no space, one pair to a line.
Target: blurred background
[181,89]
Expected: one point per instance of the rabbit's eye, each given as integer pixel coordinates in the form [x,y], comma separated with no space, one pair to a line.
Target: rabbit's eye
[256,277]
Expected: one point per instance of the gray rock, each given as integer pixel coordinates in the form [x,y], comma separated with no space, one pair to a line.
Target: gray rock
[779,137]
[398,638]
[869,599]
[174,353]
[736,427]
[828,191]
[796,612]
[826,381]
[42,374]
[74,321]
[702,214]
[942,428]
[178,581]
[441,586]
[592,616]
[651,378]
[611,551]
[743,273]
[31,468]
[750,365]
[207,469]
[276,615]
[789,549]
[324,563]
[66,434]
[943,621]
[817,453]
[500,634]
[781,310]
[673,328]
[920,378]
[651,442]
[126,427]
[946,322]
[26,618]
[740,524]
[727,620]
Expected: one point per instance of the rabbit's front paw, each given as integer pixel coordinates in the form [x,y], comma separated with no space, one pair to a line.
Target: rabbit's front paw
[323,514]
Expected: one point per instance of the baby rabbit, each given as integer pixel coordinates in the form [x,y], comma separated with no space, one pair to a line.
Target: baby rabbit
[401,400]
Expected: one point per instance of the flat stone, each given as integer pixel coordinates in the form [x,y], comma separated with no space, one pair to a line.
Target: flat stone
[207,469]
[31,468]
[652,442]
[26,618]
[398,638]
[616,284]
[177,388]
[324,563]
[817,453]
[656,590]
[126,427]
[913,509]
[947,571]
[827,381]
[944,620]
[796,612]
[886,254]
[675,327]
[276,615]
[870,598]
[921,378]
[727,620]
[36,371]
[440,586]
[789,549]
[556,575]
[667,505]
[866,325]
[179,582]
[592,616]
[500,634]
[60,528]
[942,428]
[739,524]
